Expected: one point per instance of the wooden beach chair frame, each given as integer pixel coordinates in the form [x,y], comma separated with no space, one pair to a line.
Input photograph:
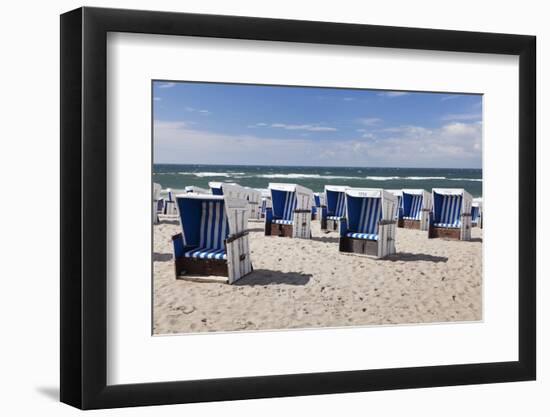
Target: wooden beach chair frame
[237,262]
[300,224]
[461,231]
[385,227]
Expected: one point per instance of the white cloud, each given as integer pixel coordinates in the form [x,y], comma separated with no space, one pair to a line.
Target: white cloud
[167,85]
[463,116]
[452,145]
[370,121]
[285,126]
[392,94]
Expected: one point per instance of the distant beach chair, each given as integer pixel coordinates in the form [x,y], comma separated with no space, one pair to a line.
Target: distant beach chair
[451,215]
[416,206]
[157,202]
[214,239]
[254,198]
[399,207]
[477,212]
[196,190]
[369,228]
[231,189]
[266,201]
[290,214]
[335,209]
[170,203]
[318,203]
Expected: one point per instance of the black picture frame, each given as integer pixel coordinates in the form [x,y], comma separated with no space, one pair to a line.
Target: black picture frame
[84,207]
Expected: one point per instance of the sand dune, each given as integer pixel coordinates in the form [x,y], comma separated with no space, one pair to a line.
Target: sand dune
[307,284]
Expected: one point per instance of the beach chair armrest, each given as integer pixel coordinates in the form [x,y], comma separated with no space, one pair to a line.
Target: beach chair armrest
[324,212]
[179,246]
[268,214]
[343,226]
[235,236]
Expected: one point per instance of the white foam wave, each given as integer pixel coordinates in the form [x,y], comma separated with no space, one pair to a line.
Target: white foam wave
[312,176]
[212,174]
[466,179]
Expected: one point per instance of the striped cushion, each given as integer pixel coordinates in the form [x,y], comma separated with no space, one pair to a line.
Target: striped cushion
[334,217]
[204,253]
[213,228]
[369,216]
[450,225]
[414,208]
[281,221]
[410,218]
[367,236]
[449,212]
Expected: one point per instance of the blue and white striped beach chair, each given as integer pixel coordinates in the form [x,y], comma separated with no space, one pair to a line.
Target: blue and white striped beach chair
[158,202]
[369,227]
[214,239]
[416,209]
[290,214]
[451,216]
[477,212]
[335,209]
[318,203]
[398,217]
[170,203]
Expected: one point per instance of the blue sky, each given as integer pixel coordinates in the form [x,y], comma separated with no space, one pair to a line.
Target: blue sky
[211,123]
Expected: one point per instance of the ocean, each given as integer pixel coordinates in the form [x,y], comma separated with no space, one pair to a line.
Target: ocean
[177,176]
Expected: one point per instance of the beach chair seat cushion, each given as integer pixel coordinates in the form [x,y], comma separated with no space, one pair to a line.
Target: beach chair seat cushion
[206,253]
[448,225]
[410,218]
[281,221]
[334,217]
[366,236]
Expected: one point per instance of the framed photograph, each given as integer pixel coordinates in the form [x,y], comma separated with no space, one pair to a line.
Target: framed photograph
[261,208]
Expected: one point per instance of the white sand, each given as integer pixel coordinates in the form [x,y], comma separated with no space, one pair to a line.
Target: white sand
[308,283]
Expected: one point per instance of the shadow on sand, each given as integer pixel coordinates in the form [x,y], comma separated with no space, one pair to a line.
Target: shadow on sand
[166,221]
[162,257]
[269,277]
[326,239]
[411,257]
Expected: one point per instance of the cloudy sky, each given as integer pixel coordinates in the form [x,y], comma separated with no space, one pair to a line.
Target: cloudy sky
[201,123]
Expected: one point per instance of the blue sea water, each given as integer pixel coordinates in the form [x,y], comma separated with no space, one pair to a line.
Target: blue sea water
[178,176]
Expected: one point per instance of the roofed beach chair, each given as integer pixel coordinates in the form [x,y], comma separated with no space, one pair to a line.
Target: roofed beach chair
[451,215]
[170,203]
[254,198]
[228,188]
[335,208]
[369,228]
[318,203]
[290,214]
[416,206]
[196,190]
[266,201]
[399,207]
[477,212]
[158,202]
[214,239]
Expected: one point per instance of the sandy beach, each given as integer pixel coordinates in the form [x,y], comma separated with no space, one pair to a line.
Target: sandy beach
[309,284]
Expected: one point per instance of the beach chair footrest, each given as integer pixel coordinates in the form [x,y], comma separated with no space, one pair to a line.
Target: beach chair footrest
[410,224]
[444,232]
[282,230]
[360,246]
[197,266]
